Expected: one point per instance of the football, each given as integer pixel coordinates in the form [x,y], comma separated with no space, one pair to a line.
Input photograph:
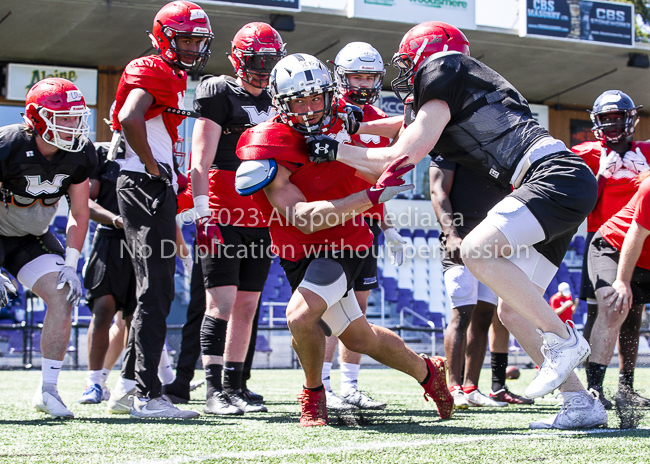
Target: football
[512,372]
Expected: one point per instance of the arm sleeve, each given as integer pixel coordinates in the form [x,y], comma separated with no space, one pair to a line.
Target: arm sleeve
[211,100]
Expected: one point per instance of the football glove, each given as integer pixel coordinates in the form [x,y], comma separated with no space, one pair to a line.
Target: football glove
[351,116]
[164,174]
[635,161]
[609,163]
[395,244]
[68,275]
[5,288]
[322,148]
[208,234]
[390,183]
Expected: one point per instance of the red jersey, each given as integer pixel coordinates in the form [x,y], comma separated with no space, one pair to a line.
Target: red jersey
[617,192]
[557,301]
[337,132]
[638,210]
[164,83]
[228,207]
[315,181]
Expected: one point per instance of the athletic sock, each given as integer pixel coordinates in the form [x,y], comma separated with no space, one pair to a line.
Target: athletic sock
[213,344]
[596,375]
[105,374]
[427,378]
[626,380]
[499,362]
[50,369]
[327,370]
[317,389]
[349,378]
[94,378]
[165,371]
[123,386]
[232,376]
[468,390]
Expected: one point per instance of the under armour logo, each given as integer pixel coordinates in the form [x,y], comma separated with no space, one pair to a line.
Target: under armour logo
[439,158]
[36,187]
[321,149]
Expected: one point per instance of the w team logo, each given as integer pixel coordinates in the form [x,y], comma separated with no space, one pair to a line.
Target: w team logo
[258,117]
[36,187]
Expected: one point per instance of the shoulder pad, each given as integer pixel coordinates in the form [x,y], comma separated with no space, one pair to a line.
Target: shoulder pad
[253,175]
[272,140]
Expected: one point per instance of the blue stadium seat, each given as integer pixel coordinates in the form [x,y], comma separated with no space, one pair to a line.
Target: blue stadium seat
[390,289]
[433,233]
[419,233]
[60,223]
[262,345]
[405,233]
[579,244]
[438,319]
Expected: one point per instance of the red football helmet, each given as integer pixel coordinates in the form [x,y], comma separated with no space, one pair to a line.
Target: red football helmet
[420,43]
[182,19]
[56,110]
[256,49]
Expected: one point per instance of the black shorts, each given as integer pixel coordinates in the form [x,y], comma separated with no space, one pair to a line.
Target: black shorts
[351,262]
[110,271]
[560,190]
[603,264]
[243,260]
[15,252]
[586,289]
[367,279]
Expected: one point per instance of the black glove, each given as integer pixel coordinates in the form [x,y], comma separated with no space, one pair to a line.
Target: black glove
[351,116]
[164,173]
[322,148]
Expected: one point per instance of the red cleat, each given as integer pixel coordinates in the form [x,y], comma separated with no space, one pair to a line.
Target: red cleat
[313,408]
[507,396]
[436,388]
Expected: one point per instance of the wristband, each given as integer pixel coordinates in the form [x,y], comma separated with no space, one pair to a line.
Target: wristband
[202,205]
[115,220]
[71,257]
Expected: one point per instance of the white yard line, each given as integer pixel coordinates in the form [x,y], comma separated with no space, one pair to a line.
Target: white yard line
[372,446]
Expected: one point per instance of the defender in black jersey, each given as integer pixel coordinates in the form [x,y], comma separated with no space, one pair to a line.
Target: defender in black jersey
[468,113]
[234,271]
[48,158]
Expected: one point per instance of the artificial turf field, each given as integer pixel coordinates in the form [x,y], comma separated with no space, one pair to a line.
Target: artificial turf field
[408,431]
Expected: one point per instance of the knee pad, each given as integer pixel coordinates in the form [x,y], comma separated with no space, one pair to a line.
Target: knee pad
[339,316]
[326,278]
[462,286]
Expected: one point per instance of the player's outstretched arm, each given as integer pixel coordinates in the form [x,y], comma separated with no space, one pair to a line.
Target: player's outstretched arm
[385,127]
[79,215]
[440,181]
[415,142]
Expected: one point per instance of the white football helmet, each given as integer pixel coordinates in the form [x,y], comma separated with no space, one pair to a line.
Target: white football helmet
[356,58]
[301,75]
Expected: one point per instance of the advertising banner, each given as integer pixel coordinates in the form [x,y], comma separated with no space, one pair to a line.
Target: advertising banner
[605,22]
[460,13]
[292,5]
[21,78]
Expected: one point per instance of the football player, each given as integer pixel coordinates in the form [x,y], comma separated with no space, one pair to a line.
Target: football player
[616,161]
[149,87]
[473,116]
[47,158]
[235,272]
[359,74]
[319,235]
[619,269]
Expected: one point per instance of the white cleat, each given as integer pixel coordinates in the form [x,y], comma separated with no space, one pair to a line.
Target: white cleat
[50,403]
[363,401]
[476,399]
[194,384]
[334,403]
[580,410]
[459,399]
[120,404]
[560,358]
[159,408]
[106,393]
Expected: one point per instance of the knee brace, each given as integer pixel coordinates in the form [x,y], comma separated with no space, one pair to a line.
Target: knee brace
[325,277]
[339,316]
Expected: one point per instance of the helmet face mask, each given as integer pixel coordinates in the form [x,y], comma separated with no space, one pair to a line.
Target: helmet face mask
[301,76]
[56,110]
[420,43]
[256,49]
[614,116]
[175,22]
[359,58]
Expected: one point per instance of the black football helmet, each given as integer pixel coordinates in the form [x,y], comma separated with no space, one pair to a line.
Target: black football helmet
[609,103]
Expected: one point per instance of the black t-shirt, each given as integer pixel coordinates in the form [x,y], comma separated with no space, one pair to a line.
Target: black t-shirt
[24,171]
[107,173]
[471,195]
[222,100]
[491,123]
